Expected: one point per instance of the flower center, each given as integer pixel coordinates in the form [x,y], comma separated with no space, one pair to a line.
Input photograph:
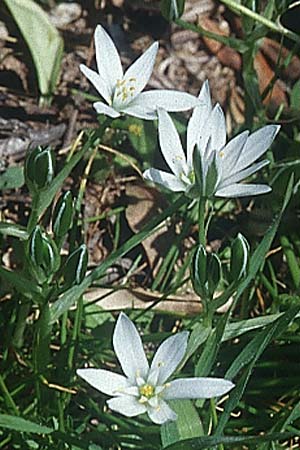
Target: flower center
[125,88]
[146,391]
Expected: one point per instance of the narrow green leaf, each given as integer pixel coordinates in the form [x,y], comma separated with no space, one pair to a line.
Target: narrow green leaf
[237,44]
[42,38]
[236,329]
[187,425]
[18,424]
[19,282]
[208,442]
[291,260]
[198,336]
[258,257]
[248,357]
[211,348]
[15,230]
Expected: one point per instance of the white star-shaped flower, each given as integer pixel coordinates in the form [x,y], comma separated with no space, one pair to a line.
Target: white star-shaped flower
[210,166]
[123,91]
[146,389]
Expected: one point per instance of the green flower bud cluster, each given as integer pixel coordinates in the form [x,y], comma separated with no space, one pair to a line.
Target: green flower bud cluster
[207,271]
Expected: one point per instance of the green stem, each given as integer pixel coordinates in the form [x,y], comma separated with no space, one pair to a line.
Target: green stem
[292,261]
[277,28]
[34,215]
[63,330]
[201,221]
[215,418]
[237,44]
[23,312]
[76,330]
[61,419]
[8,398]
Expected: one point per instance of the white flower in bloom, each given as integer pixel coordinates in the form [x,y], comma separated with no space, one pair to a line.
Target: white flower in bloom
[146,389]
[122,91]
[211,167]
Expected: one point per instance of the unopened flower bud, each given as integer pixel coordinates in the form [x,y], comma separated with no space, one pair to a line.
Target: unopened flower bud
[75,267]
[39,168]
[63,215]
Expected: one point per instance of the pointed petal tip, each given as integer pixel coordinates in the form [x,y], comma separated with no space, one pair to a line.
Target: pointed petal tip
[102,108]
[123,316]
[155,45]
[277,129]
[82,67]
[99,27]
[100,31]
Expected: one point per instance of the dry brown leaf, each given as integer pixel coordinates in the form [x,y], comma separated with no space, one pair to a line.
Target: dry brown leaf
[117,300]
[187,304]
[144,203]
[277,54]
[213,27]
[265,74]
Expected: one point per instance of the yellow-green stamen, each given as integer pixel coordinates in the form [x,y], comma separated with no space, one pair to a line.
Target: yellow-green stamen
[125,88]
[146,391]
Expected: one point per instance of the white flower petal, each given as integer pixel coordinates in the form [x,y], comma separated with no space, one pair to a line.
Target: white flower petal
[243,190]
[257,144]
[170,144]
[169,100]
[168,356]
[96,81]
[218,128]
[197,388]
[213,135]
[136,108]
[131,390]
[243,174]
[109,383]
[231,152]
[197,121]
[129,349]
[108,59]
[142,69]
[127,405]
[102,108]
[165,179]
[162,413]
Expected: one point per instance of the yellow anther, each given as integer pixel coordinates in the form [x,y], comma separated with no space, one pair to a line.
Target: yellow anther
[120,83]
[221,154]
[146,390]
[124,88]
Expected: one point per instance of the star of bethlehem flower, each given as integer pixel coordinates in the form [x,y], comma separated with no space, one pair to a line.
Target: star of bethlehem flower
[146,389]
[211,166]
[123,91]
